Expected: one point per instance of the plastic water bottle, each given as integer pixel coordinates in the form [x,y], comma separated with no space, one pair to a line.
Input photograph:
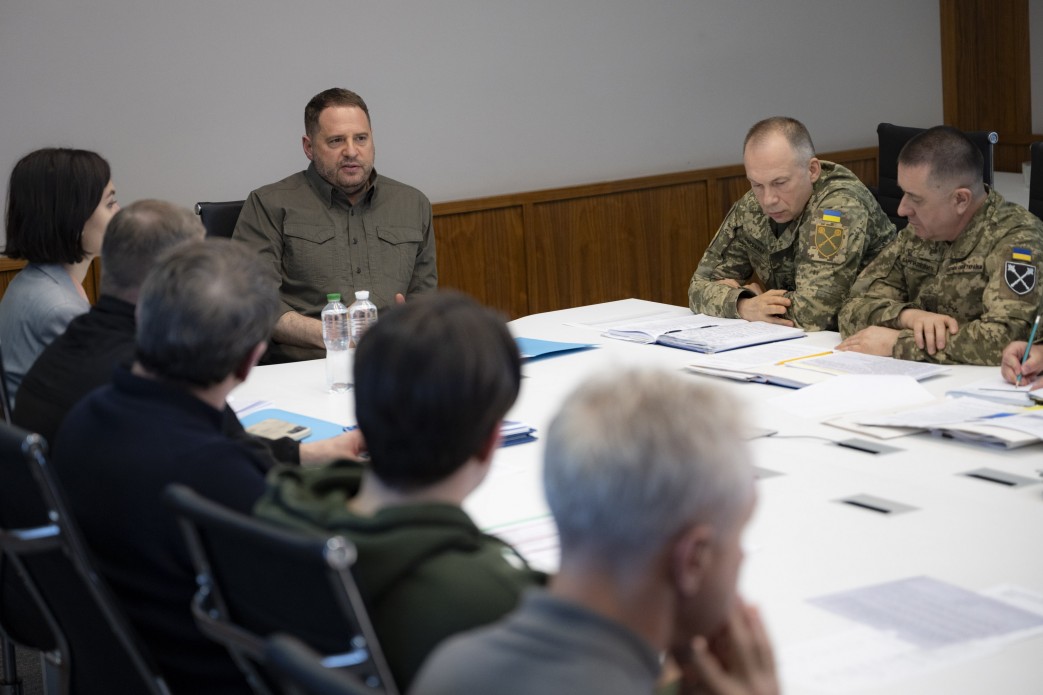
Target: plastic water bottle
[337,336]
[363,314]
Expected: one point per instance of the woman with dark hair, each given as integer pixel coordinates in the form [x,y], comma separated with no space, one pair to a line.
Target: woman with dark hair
[59,202]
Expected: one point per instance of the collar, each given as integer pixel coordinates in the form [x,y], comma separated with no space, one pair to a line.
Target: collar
[166,392]
[330,194]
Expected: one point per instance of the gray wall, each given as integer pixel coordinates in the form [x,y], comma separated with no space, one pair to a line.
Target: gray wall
[202,99]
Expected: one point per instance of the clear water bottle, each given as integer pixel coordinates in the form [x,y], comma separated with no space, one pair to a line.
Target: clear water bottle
[363,314]
[337,336]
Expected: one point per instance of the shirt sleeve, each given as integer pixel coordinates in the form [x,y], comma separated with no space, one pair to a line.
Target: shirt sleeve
[259,228]
[879,294]
[1006,315]
[831,244]
[725,259]
[425,270]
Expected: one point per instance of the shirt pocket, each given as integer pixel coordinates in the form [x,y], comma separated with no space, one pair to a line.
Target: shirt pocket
[398,249]
[308,253]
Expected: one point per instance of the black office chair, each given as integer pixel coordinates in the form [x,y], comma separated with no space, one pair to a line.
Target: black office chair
[892,139]
[257,579]
[1036,180]
[300,670]
[219,218]
[95,649]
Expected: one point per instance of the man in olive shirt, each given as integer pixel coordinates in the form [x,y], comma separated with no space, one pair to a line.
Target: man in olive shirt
[961,281]
[806,228]
[338,226]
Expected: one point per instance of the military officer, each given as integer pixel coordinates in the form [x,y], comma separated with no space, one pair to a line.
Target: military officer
[961,281]
[806,228]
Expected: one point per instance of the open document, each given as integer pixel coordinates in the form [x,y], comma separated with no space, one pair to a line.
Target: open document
[702,333]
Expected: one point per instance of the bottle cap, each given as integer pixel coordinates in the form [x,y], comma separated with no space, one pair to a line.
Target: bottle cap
[362,294]
[333,297]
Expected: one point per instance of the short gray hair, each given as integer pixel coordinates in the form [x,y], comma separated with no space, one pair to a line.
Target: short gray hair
[203,308]
[633,457]
[136,237]
[795,132]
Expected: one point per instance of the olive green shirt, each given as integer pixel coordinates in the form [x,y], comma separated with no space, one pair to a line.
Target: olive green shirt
[987,279]
[815,259]
[315,242]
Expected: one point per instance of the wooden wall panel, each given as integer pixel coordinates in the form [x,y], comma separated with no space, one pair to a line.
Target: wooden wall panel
[483,254]
[986,82]
[636,244]
[91,284]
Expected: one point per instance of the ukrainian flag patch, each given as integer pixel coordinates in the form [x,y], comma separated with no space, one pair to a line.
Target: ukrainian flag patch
[831,215]
[1019,254]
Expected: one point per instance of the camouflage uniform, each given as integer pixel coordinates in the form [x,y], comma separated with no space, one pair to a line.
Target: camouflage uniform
[987,279]
[816,259]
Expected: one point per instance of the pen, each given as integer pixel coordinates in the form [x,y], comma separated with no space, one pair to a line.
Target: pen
[804,357]
[1028,348]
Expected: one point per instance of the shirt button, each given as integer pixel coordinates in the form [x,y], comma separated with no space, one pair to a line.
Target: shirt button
[358,271]
[355,240]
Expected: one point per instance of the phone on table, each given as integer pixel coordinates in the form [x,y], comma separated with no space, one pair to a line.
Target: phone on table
[274,428]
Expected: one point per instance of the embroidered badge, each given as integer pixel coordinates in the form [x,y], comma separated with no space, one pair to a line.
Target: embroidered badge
[1020,254]
[829,239]
[1020,277]
[832,215]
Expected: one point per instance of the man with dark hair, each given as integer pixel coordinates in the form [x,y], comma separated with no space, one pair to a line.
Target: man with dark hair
[433,380]
[961,281]
[651,486]
[338,226]
[805,229]
[204,315]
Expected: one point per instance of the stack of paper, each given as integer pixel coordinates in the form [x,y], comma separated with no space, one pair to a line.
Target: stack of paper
[996,389]
[967,419]
[515,432]
[702,333]
[778,363]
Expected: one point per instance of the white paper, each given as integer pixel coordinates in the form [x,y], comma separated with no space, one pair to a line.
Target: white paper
[995,388]
[852,393]
[951,411]
[857,363]
[756,356]
[928,612]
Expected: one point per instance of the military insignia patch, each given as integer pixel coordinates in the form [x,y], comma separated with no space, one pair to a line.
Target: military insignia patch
[829,239]
[1020,277]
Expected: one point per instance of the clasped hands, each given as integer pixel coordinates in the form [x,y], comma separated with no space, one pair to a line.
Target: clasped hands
[768,306]
[930,331]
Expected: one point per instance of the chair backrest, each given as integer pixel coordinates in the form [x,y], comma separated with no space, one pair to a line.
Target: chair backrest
[97,650]
[892,139]
[257,579]
[219,218]
[1036,180]
[5,397]
[300,670]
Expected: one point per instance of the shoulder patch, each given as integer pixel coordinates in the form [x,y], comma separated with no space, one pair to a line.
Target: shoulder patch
[1020,277]
[829,238]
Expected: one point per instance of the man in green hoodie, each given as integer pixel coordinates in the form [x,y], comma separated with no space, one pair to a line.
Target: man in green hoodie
[433,379]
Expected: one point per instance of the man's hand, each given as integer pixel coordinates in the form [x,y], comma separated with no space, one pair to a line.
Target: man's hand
[930,330]
[770,306]
[736,661]
[349,445]
[1011,366]
[874,340]
[400,298]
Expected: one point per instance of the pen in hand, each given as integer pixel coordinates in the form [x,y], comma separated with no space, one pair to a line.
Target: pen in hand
[1028,348]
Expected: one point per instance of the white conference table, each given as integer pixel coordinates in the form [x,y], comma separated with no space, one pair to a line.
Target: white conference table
[802,542]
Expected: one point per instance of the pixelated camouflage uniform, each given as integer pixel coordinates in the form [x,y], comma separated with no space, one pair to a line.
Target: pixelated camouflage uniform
[968,279]
[815,260]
